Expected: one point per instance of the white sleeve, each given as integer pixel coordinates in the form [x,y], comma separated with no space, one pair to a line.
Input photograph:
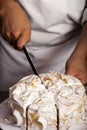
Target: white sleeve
[84,16]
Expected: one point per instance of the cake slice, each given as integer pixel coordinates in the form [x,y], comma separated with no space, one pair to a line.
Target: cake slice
[42,114]
[22,94]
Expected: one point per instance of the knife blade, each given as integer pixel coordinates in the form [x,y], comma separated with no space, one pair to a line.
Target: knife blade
[30,61]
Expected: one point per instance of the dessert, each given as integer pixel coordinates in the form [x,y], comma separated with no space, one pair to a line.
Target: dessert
[52,101]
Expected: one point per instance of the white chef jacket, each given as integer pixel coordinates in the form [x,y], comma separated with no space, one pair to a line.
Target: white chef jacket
[56,25]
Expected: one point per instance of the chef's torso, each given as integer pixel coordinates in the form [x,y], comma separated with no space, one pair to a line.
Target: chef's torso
[53,21]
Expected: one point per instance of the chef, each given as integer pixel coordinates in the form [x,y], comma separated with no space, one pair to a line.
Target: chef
[54,33]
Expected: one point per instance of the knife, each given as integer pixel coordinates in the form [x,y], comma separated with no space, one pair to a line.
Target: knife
[30,61]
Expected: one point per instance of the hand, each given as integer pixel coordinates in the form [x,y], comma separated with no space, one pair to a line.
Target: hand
[15,26]
[77,68]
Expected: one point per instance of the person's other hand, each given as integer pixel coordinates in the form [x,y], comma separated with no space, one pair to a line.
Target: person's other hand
[15,26]
[78,68]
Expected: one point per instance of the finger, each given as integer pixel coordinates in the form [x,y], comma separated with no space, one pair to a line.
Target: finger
[73,72]
[10,36]
[6,36]
[78,75]
[15,34]
[23,39]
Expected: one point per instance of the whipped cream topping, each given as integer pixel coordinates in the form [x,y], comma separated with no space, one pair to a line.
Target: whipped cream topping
[26,90]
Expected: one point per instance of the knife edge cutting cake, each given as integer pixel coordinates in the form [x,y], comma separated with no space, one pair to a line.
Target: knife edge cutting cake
[52,101]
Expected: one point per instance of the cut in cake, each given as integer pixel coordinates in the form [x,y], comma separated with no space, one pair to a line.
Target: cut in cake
[52,101]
